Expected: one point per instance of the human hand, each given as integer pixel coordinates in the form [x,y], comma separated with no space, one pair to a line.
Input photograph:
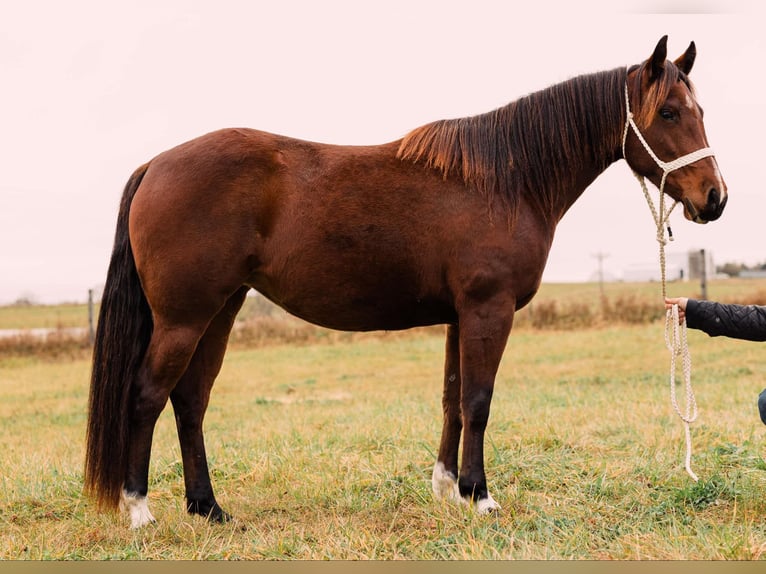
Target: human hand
[681,302]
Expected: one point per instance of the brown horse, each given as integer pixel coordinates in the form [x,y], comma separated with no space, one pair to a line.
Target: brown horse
[450,225]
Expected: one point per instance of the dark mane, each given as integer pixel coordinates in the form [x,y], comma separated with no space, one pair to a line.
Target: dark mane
[528,146]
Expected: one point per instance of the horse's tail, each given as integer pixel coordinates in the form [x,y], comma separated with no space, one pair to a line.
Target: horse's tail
[122,336]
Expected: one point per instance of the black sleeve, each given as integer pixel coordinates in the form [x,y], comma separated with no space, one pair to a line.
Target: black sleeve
[736,321]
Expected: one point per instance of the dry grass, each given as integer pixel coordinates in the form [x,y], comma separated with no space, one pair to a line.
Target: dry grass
[56,346]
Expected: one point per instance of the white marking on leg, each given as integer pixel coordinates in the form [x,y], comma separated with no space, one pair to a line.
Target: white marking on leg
[487,505]
[138,509]
[445,487]
[444,484]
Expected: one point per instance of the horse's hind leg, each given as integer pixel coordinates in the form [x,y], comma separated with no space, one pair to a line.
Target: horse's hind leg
[190,400]
[167,357]
[444,477]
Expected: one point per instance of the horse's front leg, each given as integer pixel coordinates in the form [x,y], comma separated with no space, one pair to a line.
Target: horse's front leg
[444,477]
[484,332]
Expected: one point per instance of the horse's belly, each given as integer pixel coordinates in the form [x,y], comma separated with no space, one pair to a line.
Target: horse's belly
[346,307]
[358,318]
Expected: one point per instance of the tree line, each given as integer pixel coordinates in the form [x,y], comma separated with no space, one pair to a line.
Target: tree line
[733,269]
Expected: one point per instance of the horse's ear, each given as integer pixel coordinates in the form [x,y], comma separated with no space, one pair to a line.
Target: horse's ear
[657,61]
[686,61]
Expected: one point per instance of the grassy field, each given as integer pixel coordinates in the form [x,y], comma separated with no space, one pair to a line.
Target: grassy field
[325,451]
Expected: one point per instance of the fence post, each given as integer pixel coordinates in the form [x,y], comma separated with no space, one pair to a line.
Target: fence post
[703,274]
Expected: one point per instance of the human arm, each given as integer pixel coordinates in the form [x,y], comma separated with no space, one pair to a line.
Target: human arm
[747,322]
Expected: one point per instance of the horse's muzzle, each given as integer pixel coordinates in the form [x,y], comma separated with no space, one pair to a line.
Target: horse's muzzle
[712,210]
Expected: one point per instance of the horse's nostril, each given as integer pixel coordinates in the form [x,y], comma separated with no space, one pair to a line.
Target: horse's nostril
[713,198]
[715,205]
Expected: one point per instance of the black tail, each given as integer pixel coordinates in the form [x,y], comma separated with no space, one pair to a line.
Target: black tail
[122,336]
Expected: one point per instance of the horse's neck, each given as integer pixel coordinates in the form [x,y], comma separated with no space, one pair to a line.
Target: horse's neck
[564,137]
[585,173]
[585,179]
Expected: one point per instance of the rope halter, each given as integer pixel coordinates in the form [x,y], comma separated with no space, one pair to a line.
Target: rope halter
[675,334]
[666,167]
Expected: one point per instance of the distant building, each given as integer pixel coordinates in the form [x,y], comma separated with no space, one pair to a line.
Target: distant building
[752,273]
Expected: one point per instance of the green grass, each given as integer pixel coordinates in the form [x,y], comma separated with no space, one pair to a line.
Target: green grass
[325,451]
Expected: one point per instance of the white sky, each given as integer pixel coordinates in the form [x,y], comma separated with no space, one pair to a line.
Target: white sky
[92,89]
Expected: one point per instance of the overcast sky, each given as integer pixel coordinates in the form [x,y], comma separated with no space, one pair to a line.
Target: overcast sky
[92,89]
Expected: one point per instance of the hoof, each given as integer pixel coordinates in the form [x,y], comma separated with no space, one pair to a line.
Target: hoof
[209,510]
[137,508]
[487,505]
[444,484]
[220,517]
[445,487]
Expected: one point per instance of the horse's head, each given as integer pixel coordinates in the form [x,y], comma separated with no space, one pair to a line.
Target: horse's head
[667,143]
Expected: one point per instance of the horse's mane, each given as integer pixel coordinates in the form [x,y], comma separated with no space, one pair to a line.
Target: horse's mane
[529,146]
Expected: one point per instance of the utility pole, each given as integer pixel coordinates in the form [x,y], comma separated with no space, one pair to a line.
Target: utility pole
[601,256]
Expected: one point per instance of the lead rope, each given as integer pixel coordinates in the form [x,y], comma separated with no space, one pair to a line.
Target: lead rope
[675,332]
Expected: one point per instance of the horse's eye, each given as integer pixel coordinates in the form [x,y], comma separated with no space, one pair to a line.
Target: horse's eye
[667,114]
